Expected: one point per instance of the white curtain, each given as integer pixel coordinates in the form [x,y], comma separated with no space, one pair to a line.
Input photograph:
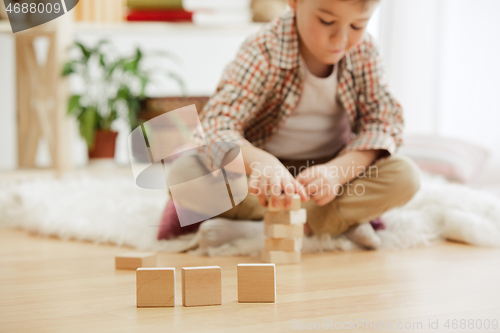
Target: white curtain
[443,64]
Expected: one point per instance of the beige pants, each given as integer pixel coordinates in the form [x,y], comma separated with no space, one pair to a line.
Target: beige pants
[386,184]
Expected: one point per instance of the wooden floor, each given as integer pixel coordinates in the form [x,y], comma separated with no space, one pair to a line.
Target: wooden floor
[64,286]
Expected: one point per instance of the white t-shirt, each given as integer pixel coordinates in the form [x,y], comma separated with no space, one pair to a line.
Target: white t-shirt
[318,127]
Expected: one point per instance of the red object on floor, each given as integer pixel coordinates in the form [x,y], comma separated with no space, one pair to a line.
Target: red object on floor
[170,226]
[378,224]
[171,15]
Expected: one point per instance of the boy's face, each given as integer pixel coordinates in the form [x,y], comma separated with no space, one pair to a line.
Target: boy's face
[328,29]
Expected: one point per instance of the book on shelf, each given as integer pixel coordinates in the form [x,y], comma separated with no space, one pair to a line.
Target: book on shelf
[154,4]
[99,10]
[170,15]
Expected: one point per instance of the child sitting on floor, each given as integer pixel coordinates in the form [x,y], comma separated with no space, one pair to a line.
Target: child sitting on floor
[307,102]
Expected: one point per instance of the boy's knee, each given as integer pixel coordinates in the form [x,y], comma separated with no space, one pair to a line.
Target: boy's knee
[403,176]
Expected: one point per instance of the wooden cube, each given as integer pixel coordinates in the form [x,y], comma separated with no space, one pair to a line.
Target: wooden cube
[256,283]
[281,257]
[134,260]
[283,244]
[296,204]
[283,231]
[155,287]
[286,217]
[201,286]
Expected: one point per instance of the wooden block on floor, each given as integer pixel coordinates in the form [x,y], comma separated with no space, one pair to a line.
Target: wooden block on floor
[283,244]
[281,257]
[155,287]
[134,260]
[256,283]
[295,204]
[283,231]
[201,286]
[286,217]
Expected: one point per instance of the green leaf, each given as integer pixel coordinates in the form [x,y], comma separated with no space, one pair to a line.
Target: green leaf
[123,93]
[144,82]
[132,119]
[101,60]
[88,125]
[138,54]
[131,66]
[74,103]
[85,51]
[111,69]
[68,68]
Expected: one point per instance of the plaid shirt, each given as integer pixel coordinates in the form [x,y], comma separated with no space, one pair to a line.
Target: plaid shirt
[262,86]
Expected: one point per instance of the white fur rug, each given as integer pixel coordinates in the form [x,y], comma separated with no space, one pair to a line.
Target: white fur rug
[113,210]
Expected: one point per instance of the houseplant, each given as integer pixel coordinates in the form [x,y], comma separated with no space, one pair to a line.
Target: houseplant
[112,88]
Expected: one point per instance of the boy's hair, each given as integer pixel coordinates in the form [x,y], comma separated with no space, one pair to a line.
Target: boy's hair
[365,3]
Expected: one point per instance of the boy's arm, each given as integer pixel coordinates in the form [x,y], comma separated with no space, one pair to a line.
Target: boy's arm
[379,121]
[324,180]
[239,95]
[351,163]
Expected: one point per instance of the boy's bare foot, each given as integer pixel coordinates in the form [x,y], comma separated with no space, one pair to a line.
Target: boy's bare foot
[364,235]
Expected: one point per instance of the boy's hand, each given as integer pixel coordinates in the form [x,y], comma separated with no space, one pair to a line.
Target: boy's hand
[320,183]
[273,177]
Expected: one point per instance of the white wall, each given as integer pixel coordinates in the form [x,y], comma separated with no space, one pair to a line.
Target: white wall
[470,72]
[8,123]
[442,63]
[410,34]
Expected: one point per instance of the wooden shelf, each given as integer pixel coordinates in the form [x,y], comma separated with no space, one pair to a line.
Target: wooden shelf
[151,27]
[162,27]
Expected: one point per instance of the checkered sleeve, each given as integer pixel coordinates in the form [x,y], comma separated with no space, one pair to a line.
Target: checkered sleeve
[379,122]
[239,95]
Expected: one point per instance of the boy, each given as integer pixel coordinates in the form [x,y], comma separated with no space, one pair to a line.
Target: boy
[306,101]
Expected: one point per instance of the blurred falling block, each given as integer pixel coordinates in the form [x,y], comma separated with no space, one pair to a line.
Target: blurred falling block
[134,260]
[207,195]
[283,244]
[256,283]
[201,286]
[287,217]
[155,287]
[283,231]
[295,204]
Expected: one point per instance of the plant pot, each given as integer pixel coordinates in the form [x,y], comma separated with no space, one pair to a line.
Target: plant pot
[104,144]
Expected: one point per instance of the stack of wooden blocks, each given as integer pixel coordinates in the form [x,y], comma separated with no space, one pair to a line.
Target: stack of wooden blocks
[284,230]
